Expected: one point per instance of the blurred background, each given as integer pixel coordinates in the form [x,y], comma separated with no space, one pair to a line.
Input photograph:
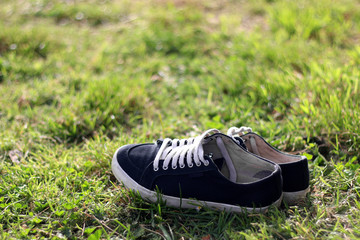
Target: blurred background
[72,70]
[79,78]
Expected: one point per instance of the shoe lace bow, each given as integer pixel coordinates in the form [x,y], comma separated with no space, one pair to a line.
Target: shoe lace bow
[233,131]
[176,151]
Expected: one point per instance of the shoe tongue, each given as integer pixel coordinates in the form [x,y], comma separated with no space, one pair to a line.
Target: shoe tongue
[241,142]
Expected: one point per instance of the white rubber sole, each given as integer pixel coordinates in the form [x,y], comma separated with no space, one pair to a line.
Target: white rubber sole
[176,202]
[292,198]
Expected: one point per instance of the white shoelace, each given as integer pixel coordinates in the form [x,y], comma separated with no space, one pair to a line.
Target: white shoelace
[235,131]
[190,148]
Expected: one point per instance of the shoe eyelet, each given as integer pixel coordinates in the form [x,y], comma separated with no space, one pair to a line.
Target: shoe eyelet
[198,164]
[206,163]
[165,168]
[182,166]
[190,165]
[156,169]
[174,167]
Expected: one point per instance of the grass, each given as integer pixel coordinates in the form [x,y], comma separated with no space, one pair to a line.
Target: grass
[78,79]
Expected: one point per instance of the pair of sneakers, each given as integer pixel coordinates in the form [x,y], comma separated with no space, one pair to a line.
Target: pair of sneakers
[238,171]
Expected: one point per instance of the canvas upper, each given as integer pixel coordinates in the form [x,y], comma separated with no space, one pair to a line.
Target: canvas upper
[213,169]
[294,168]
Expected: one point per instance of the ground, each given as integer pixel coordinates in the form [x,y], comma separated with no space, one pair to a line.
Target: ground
[79,78]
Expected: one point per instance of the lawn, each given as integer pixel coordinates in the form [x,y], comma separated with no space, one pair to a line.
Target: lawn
[80,78]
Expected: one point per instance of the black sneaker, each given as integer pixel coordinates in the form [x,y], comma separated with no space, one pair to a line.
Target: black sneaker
[294,168]
[210,170]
